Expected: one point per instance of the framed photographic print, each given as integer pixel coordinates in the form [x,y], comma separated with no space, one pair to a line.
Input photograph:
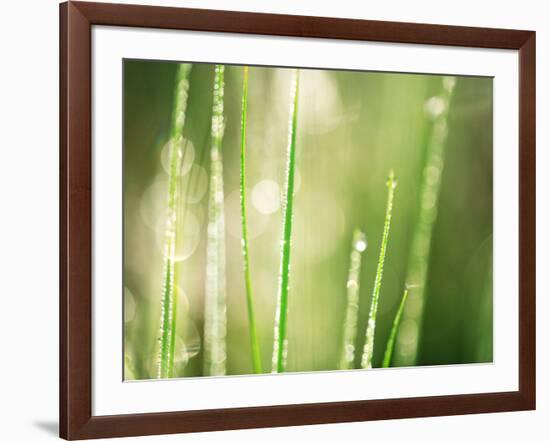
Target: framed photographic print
[272,220]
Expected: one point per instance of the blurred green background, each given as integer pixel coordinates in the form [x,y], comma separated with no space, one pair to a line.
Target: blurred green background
[353,127]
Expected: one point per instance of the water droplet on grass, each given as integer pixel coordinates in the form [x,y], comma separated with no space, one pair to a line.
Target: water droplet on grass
[187,151]
[434,106]
[361,243]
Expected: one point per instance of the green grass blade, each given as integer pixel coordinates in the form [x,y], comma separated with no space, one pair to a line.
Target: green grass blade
[366,361]
[279,340]
[167,321]
[215,302]
[254,345]
[173,332]
[358,246]
[393,333]
[417,268]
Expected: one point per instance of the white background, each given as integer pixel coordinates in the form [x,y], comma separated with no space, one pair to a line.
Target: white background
[28,221]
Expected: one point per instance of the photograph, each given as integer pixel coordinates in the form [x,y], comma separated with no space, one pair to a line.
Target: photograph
[291,220]
[232,221]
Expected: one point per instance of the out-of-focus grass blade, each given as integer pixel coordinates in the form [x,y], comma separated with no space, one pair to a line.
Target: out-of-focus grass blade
[437,108]
[358,246]
[215,302]
[254,345]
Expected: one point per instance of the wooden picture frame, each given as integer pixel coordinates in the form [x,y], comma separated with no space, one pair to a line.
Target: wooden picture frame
[76,238]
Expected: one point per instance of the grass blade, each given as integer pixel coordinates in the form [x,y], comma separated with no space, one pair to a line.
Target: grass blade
[279,340]
[366,361]
[358,246]
[255,347]
[215,303]
[167,322]
[172,347]
[393,333]
[417,269]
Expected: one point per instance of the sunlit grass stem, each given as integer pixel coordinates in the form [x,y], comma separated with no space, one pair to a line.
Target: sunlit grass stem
[393,333]
[279,340]
[358,246]
[215,301]
[437,108]
[366,361]
[173,332]
[167,321]
[254,345]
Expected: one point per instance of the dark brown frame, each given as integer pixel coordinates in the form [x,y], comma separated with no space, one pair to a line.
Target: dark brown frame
[76,20]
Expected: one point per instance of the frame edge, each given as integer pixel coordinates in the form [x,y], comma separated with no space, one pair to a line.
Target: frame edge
[75,418]
[527,224]
[75,222]
[63,429]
